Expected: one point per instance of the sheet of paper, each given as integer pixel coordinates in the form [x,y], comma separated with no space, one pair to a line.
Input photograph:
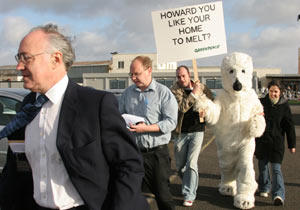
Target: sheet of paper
[17,146]
[132,119]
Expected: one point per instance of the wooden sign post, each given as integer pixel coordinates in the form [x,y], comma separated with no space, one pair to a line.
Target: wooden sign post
[195,68]
[196,78]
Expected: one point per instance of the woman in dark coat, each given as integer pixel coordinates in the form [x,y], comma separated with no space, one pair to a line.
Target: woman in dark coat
[270,146]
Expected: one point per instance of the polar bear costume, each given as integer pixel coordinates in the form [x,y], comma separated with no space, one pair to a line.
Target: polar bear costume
[236,117]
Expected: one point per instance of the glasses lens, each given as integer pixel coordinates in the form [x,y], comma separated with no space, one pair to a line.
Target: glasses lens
[23,57]
[18,57]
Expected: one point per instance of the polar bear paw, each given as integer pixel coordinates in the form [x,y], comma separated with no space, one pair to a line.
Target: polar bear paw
[227,190]
[244,202]
[257,126]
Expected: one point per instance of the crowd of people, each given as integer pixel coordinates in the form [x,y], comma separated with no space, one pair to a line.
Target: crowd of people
[80,155]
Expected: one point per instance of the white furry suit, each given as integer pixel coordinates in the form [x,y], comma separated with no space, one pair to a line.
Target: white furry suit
[236,116]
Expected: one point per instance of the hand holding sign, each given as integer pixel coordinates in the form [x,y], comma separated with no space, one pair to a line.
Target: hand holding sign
[197,88]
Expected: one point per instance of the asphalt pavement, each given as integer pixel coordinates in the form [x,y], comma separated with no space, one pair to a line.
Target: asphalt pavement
[208,196]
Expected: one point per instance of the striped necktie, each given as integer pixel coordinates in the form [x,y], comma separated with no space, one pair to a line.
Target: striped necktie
[25,116]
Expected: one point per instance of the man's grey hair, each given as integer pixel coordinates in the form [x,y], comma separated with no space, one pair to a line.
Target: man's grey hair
[58,42]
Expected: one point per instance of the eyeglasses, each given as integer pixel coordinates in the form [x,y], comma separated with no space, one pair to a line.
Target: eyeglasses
[26,57]
[136,74]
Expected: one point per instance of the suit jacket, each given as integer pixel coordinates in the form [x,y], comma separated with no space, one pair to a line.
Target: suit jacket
[98,151]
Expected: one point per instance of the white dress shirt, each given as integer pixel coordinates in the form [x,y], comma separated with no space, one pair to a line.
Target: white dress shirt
[52,185]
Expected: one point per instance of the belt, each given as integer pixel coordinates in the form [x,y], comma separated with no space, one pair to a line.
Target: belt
[153,149]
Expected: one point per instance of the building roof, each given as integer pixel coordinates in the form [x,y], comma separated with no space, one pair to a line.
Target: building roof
[291,76]
[85,63]
[8,67]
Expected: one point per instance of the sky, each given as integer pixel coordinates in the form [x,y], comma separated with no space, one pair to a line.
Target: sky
[267,30]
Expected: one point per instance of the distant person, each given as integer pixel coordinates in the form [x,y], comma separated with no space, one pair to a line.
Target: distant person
[80,154]
[270,146]
[189,132]
[157,105]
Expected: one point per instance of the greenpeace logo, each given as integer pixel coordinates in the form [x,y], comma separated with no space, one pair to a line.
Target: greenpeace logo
[207,48]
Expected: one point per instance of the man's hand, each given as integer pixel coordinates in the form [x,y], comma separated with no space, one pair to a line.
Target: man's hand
[144,128]
[198,88]
[139,128]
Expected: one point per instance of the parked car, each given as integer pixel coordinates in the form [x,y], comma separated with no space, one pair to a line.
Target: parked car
[10,101]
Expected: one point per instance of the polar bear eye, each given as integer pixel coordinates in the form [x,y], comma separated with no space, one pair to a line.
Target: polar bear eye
[231,71]
[243,71]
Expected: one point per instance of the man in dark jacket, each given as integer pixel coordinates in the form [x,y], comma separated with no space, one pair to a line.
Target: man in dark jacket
[270,146]
[80,154]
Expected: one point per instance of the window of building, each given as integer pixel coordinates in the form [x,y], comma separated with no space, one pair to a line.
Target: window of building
[117,84]
[121,65]
[214,83]
[166,82]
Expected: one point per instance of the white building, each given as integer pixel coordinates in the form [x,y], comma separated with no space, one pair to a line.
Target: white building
[117,76]
[113,74]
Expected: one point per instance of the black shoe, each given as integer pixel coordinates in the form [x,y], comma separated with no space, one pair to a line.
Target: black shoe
[278,201]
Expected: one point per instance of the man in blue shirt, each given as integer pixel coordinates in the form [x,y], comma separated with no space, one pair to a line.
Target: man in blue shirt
[157,105]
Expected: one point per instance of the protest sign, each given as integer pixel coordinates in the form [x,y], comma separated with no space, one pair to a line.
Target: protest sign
[189,32]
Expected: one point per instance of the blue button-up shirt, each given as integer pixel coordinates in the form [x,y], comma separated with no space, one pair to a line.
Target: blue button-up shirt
[157,105]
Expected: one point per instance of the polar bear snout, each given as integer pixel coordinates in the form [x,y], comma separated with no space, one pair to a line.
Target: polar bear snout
[237,86]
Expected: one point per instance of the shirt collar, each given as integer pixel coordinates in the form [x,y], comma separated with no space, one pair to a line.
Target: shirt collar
[58,90]
[151,87]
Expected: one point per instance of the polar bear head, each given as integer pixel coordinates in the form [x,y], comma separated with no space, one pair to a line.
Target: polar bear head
[237,69]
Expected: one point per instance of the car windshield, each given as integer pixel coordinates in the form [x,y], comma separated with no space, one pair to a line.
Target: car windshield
[8,109]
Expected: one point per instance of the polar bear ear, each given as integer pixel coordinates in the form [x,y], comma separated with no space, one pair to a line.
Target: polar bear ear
[238,59]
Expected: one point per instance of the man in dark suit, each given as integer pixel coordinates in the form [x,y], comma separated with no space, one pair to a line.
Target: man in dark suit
[80,153]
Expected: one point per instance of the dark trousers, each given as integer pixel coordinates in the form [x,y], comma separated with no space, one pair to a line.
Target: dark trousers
[157,171]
